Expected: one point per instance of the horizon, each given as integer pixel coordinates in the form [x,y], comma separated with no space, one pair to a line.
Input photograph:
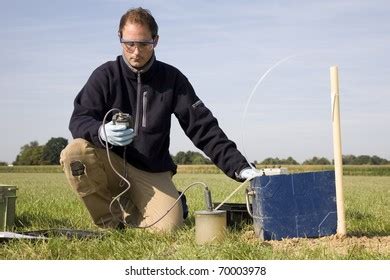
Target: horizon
[257,161]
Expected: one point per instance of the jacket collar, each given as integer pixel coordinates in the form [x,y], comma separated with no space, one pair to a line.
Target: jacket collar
[132,72]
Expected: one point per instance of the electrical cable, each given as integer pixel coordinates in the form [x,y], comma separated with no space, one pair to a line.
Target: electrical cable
[126,181]
[173,205]
[232,193]
[123,179]
[260,80]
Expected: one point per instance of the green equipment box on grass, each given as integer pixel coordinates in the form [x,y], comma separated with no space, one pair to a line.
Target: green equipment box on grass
[7,206]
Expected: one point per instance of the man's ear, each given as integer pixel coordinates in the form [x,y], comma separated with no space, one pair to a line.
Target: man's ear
[156,40]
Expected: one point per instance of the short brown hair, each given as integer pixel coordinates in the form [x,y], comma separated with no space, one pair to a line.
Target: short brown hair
[140,16]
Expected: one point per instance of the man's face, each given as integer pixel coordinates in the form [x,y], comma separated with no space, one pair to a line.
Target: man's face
[139,52]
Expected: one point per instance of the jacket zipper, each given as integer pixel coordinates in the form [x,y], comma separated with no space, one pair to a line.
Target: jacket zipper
[144,106]
[138,112]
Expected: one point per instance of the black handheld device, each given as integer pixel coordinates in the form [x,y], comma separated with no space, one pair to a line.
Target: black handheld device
[123,118]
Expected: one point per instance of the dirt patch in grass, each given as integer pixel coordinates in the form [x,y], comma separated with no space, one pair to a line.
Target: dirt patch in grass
[333,245]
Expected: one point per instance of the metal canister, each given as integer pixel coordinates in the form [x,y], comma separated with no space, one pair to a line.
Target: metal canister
[7,206]
[210,226]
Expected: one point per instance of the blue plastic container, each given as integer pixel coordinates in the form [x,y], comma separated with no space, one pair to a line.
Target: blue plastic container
[294,205]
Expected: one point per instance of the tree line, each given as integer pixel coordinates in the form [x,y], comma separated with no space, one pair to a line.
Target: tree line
[49,154]
[347,160]
[190,157]
[35,154]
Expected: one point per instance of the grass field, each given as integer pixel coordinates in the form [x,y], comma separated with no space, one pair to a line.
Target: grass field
[45,201]
[350,170]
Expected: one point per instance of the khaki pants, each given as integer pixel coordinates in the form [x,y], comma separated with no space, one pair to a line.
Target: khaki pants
[89,173]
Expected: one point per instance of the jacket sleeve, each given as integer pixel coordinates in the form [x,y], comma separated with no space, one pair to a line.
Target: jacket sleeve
[202,128]
[89,108]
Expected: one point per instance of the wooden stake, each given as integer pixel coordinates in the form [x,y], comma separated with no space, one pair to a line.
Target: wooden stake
[338,160]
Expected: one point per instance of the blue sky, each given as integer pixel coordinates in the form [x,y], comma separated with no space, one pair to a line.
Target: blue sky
[49,49]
